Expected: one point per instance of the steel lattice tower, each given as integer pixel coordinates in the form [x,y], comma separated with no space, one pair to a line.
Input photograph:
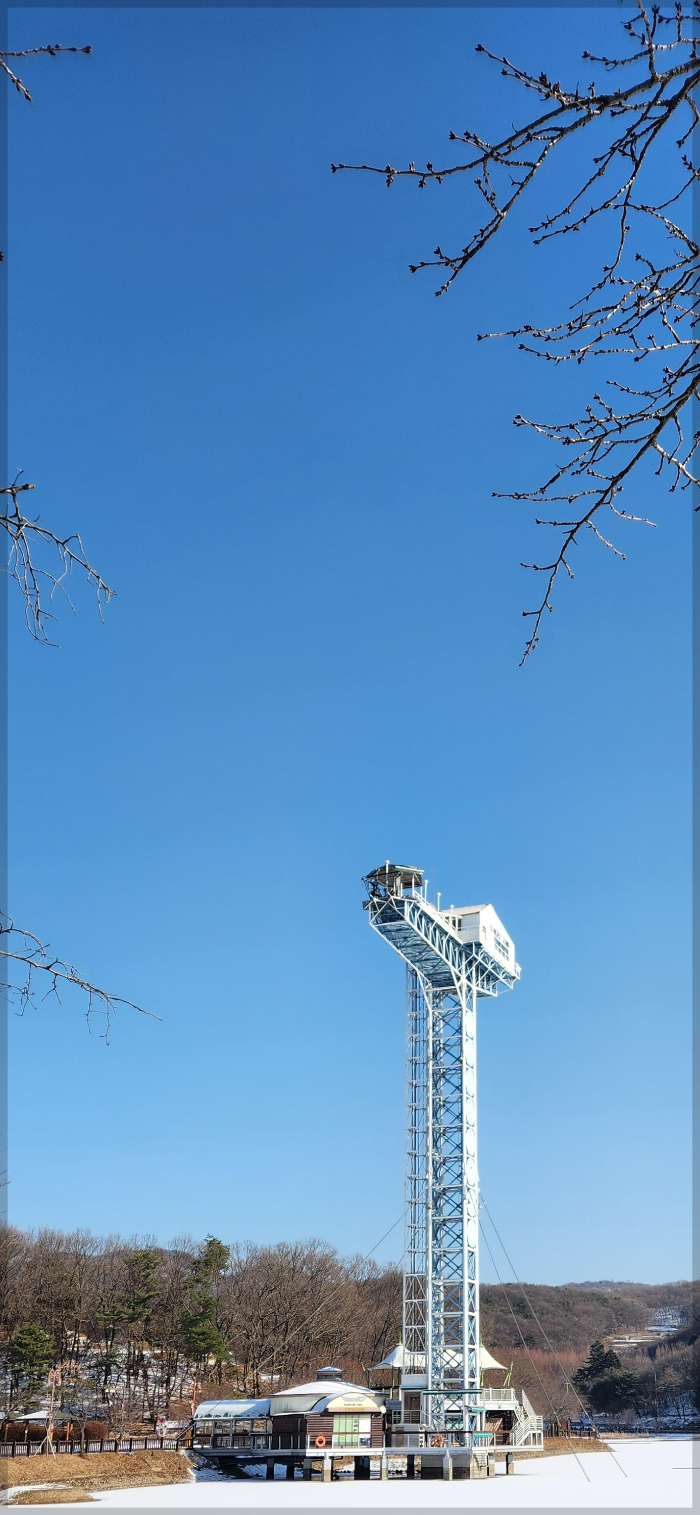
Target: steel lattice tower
[446,974]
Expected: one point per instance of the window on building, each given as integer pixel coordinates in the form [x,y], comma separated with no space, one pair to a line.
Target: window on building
[352,1430]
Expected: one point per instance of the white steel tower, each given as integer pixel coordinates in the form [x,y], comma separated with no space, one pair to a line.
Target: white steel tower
[452,958]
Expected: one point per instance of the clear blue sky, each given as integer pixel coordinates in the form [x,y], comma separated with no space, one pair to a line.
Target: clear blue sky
[280,449]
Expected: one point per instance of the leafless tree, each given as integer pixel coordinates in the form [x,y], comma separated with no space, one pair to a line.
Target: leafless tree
[642,307]
[40,561]
[283,1311]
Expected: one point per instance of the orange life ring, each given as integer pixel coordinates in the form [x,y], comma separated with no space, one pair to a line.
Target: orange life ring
[320,1441]
[438,1441]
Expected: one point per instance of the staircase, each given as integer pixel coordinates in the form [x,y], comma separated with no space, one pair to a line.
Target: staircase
[527,1432]
[528,1429]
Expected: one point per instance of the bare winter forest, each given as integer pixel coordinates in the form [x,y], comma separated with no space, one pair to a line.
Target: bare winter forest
[127,1331]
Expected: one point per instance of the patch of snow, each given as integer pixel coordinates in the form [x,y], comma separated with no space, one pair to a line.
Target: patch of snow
[25,1488]
[645,1474]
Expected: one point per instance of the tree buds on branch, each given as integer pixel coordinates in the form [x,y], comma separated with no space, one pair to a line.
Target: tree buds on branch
[643,307]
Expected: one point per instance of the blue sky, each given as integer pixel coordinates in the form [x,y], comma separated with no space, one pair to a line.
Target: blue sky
[280,450]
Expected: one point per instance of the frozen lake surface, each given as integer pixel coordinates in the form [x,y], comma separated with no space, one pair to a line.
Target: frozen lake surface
[653,1474]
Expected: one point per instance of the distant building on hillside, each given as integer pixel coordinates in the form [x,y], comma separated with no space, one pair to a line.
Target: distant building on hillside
[667,1320]
[627,1341]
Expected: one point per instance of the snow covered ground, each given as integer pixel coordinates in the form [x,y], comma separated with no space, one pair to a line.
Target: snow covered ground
[653,1474]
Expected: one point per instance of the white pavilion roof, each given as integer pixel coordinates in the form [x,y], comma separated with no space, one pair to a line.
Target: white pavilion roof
[415,1361]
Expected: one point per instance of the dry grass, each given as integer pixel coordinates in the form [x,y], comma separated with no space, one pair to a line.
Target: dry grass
[95,1471]
[556,1446]
[51,1496]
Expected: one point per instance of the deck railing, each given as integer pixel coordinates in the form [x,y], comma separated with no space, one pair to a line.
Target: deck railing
[429,1441]
[426,1441]
[107,1444]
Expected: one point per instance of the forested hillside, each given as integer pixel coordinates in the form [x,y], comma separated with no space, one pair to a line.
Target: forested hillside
[573,1315]
[138,1330]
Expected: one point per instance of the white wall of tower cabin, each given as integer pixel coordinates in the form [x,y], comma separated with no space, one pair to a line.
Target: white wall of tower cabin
[481,924]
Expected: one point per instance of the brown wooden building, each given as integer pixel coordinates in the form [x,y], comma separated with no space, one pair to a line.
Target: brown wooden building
[326,1415]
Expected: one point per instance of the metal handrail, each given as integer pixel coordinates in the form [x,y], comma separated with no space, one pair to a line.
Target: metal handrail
[435,1441]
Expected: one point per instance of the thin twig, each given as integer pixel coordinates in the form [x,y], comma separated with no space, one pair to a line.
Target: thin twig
[645,305]
[24,947]
[27,537]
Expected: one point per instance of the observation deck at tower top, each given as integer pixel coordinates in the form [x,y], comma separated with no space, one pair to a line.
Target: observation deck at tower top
[426,938]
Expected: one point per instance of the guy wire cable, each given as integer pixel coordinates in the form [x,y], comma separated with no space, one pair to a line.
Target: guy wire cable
[527,1349]
[266,1361]
[538,1322]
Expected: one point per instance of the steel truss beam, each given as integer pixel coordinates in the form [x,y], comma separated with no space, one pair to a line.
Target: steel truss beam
[445,977]
[441,1277]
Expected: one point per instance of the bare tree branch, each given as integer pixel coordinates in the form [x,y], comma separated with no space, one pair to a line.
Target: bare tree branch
[43,975]
[30,52]
[644,305]
[26,535]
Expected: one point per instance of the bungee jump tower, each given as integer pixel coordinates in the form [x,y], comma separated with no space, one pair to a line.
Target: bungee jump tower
[453,958]
[446,1423]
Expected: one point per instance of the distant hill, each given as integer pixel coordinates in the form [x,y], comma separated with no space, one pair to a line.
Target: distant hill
[605,1284]
[573,1315]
